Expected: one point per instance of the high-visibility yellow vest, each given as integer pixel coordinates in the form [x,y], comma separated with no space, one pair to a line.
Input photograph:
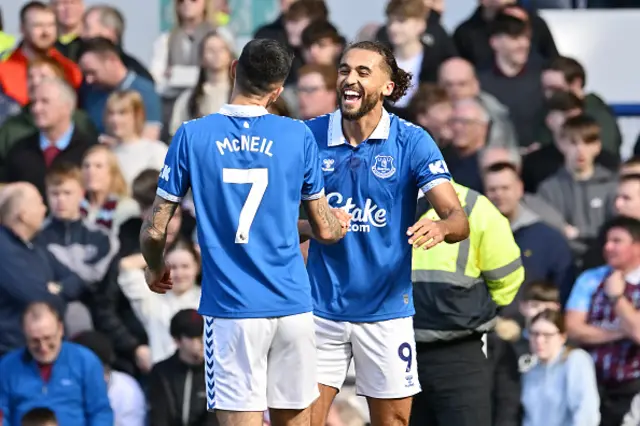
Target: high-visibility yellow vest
[458,287]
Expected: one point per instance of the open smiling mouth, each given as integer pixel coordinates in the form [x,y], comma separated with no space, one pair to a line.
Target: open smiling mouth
[351,97]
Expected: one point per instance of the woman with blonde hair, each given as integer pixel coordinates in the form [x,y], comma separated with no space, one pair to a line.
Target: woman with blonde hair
[561,388]
[177,50]
[124,120]
[214,84]
[106,202]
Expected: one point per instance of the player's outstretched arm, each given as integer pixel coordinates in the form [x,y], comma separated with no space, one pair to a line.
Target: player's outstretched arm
[453,225]
[153,235]
[325,224]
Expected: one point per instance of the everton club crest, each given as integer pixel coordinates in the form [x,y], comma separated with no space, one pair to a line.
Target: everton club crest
[383,166]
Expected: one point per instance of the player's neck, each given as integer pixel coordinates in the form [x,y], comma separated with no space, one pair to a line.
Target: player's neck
[357,131]
[240,99]
[409,50]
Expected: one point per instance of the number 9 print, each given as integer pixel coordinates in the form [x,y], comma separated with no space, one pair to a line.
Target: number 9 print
[406,354]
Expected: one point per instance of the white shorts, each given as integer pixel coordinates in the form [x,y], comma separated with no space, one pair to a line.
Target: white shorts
[258,363]
[384,354]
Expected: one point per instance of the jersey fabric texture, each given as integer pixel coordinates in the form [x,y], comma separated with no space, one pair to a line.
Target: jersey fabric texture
[248,171]
[367,275]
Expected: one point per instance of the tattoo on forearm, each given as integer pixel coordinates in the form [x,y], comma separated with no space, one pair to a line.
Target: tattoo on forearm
[153,235]
[329,220]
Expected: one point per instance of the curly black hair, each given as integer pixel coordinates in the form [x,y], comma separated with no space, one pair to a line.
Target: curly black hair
[400,78]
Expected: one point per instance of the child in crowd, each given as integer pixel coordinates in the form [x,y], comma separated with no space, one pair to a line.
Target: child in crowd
[39,417]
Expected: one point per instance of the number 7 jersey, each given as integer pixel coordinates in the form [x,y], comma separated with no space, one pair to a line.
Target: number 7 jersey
[248,171]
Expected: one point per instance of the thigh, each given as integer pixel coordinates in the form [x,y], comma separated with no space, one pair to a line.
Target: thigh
[292,382]
[457,384]
[384,357]
[236,353]
[334,351]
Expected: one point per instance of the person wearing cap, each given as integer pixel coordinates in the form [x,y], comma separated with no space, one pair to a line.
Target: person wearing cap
[172,400]
[125,394]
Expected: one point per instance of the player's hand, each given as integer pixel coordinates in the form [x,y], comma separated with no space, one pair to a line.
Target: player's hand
[158,281]
[344,218]
[426,233]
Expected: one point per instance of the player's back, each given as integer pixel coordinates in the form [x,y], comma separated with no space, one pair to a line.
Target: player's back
[247,170]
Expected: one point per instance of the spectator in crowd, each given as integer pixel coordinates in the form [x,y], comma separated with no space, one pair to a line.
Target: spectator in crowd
[23,125]
[105,73]
[69,15]
[280,107]
[431,108]
[582,191]
[39,416]
[297,17]
[405,26]
[6,40]
[125,395]
[62,376]
[176,384]
[275,30]
[89,252]
[181,47]
[57,139]
[322,44]
[567,74]
[458,78]
[28,272]
[316,90]
[106,202]
[560,389]
[627,201]
[469,124]
[495,155]
[8,107]
[472,37]
[156,310]
[124,123]
[515,78]
[546,255]
[631,166]
[602,315]
[213,88]
[544,162]
[38,27]
[104,21]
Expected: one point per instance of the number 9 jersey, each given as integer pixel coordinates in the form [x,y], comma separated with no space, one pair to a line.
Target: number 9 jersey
[248,171]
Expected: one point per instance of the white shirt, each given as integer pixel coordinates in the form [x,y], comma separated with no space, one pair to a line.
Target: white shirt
[414,66]
[127,400]
[135,157]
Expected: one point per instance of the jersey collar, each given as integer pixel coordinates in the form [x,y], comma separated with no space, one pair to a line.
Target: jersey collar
[243,110]
[335,136]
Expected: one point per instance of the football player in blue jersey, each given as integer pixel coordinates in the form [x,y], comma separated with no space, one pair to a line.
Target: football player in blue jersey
[248,171]
[374,164]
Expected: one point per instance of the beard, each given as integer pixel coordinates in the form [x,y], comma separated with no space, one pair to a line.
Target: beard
[367,103]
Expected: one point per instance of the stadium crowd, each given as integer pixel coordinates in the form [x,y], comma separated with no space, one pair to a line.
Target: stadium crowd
[84,129]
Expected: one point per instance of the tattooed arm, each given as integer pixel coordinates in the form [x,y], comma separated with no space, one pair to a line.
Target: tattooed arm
[323,224]
[153,235]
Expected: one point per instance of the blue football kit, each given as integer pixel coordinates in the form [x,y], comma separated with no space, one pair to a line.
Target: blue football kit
[248,171]
[366,277]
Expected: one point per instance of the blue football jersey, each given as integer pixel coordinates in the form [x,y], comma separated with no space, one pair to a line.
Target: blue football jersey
[248,171]
[367,275]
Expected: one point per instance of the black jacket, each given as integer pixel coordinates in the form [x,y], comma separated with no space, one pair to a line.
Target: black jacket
[275,31]
[471,39]
[167,393]
[25,160]
[89,252]
[505,389]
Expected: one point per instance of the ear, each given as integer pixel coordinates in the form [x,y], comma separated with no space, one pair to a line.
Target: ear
[493,42]
[234,66]
[388,88]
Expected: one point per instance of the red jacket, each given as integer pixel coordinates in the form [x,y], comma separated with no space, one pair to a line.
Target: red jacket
[13,73]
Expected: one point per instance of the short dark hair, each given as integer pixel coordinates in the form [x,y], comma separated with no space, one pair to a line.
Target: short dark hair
[541,291]
[400,77]
[583,127]
[61,172]
[99,344]
[629,224]
[328,72]
[570,68]
[318,30]
[186,323]
[143,188]
[501,167]
[263,65]
[311,9]
[39,416]
[33,5]
[100,46]
[564,101]
[427,96]
[407,9]
[630,177]
[633,161]
[505,24]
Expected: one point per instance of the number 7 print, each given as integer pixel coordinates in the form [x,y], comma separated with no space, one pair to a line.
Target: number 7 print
[259,180]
